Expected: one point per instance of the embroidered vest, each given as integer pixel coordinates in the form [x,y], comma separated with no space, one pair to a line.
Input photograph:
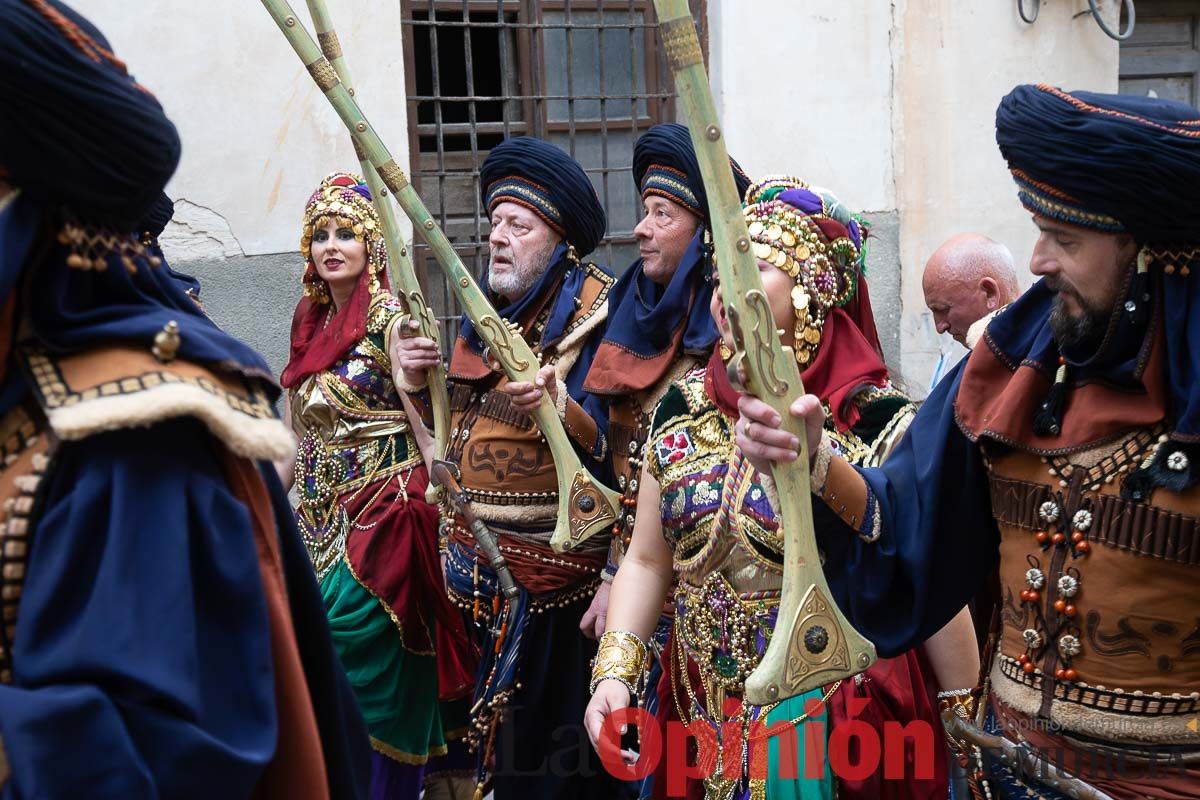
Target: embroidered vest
[1100,596]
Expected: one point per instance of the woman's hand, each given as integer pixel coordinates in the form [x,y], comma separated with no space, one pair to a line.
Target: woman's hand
[610,696]
[526,397]
[763,441]
[412,355]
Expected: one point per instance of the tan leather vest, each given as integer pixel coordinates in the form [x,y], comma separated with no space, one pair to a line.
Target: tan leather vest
[1100,596]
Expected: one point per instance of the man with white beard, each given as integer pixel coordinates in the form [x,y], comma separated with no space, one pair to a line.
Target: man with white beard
[525,729]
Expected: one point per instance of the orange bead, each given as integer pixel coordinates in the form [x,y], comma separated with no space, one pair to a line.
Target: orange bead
[1077,536]
[1024,595]
[1069,610]
[1042,537]
[1060,673]
[1070,674]
[1028,667]
[1058,538]
[1034,595]
[1021,659]
[1083,547]
[1059,605]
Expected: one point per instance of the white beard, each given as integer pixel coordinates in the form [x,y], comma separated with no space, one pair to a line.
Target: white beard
[523,274]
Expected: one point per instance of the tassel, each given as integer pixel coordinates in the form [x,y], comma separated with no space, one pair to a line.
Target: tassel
[500,638]
[1174,467]
[1048,419]
[1137,306]
[475,578]
[478,792]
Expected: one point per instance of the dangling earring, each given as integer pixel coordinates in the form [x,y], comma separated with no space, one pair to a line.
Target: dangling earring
[317,291]
[572,256]
[375,262]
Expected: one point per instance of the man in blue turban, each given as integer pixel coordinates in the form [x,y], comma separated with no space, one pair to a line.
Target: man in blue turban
[161,634]
[533,673]
[1061,458]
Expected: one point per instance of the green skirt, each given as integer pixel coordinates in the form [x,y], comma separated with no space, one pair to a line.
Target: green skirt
[397,690]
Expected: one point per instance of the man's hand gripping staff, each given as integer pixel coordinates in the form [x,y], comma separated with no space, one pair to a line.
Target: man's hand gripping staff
[585,506]
[813,644]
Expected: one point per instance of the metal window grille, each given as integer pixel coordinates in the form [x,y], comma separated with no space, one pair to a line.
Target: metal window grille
[587,75]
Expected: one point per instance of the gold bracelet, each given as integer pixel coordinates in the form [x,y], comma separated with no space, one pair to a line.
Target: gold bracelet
[620,657]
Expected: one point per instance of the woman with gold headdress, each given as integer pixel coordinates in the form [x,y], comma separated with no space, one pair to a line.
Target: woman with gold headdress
[361,483]
[717,531]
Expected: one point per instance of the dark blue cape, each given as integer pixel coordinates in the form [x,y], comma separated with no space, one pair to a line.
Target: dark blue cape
[939,539]
[142,661]
[142,658]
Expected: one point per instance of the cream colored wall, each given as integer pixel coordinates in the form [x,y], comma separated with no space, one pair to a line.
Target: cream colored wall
[805,88]
[892,105]
[954,61]
[257,134]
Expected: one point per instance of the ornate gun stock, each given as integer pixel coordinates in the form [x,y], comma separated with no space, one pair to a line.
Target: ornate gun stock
[813,643]
[1022,759]
[585,506]
[401,274]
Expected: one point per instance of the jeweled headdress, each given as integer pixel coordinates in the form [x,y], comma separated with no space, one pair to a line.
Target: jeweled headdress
[807,233]
[344,198]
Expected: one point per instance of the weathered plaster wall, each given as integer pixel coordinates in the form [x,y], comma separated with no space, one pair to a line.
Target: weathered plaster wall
[257,138]
[954,61]
[257,134]
[805,88]
[891,105]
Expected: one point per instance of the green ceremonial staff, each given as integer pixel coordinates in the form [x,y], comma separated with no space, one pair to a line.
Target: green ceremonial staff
[400,268]
[585,506]
[813,643]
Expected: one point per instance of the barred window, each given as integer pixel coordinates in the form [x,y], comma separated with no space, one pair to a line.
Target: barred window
[589,76]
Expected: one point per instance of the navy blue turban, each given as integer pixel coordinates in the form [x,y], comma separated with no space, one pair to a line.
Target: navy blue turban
[1119,164]
[539,176]
[78,131]
[1105,161]
[664,164]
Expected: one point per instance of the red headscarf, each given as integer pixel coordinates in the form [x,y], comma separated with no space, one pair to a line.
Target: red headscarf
[321,334]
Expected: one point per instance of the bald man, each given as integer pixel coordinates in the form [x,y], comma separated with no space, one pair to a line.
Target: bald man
[967,278]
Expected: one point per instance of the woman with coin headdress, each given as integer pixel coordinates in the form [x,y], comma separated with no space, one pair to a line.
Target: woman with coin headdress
[361,483]
[718,536]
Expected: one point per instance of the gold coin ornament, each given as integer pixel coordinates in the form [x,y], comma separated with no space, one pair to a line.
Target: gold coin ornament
[344,198]
[806,232]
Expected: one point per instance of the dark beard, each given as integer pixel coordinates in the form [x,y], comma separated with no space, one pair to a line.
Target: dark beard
[1081,334]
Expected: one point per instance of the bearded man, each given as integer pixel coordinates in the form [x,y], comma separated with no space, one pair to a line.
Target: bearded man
[533,672]
[1063,456]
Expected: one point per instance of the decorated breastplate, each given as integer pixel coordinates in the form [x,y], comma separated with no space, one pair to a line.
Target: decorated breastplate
[1100,631]
[355,434]
[727,548]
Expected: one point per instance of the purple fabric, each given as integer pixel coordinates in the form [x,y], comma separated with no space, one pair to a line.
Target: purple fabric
[803,199]
[391,780]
